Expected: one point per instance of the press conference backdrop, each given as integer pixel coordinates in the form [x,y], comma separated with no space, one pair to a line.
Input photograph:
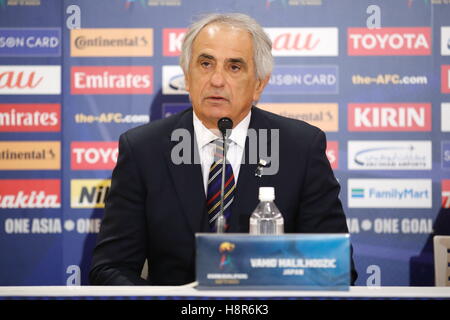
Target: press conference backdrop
[74,75]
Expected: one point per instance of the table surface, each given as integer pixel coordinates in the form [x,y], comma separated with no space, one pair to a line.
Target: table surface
[190,291]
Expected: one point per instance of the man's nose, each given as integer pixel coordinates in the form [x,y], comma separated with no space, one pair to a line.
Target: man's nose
[217,78]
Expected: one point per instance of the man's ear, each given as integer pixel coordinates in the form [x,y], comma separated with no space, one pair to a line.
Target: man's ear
[186,82]
[260,85]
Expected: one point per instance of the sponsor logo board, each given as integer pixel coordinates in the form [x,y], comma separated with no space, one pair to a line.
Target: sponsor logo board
[172,41]
[445,194]
[30,193]
[445,78]
[307,79]
[173,80]
[389,193]
[111,42]
[38,42]
[322,115]
[445,117]
[389,117]
[31,117]
[93,155]
[332,153]
[445,155]
[389,155]
[30,155]
[24,80]
[445,41]
[415,41]
[88,193]
[112,80]
[304,42]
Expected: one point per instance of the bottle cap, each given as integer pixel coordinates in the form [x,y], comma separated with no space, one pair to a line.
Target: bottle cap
[266,193]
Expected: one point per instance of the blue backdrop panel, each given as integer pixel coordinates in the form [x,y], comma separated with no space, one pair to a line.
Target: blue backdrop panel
[384,64]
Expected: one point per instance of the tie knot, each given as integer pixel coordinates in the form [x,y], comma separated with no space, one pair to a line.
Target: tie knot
[218,150]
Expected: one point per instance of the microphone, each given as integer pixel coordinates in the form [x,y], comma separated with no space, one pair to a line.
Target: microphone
[225,125]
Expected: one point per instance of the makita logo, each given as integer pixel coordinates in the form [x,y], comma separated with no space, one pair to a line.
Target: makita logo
[30,117]
[389,41]
[112,80]
[389,117]
[304,41]
[30,80]
[172,41]
[29,194]
[94,155]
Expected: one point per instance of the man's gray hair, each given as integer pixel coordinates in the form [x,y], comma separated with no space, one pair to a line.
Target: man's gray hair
[262,45]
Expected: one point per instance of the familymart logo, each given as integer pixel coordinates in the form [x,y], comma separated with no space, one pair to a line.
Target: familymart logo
[389,193]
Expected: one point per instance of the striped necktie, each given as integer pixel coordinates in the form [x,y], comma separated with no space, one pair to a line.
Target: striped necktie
[214,187]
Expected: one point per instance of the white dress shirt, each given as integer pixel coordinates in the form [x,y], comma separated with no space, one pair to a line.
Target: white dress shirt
[235,150]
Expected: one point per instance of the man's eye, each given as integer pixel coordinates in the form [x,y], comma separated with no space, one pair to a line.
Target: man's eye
[235,67]
[205,64]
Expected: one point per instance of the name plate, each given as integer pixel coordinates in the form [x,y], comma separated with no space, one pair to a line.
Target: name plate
[289,261]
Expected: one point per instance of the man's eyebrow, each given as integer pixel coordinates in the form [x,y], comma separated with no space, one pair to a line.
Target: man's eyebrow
[206,56]
[237,60]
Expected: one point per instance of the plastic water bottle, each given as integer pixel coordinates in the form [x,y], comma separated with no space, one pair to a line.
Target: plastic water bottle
[266,219]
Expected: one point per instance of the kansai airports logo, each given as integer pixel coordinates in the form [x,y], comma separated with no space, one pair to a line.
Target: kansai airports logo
[30,193]
[445,79]
[173,80]
[445,117]
[389,117]
[32,117]
[389,41]
[30,80]
[39,42]
[112,80]
[305,42]
[389,155]
[94,155]
[172,41]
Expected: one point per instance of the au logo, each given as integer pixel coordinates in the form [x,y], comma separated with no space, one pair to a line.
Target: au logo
[225,249]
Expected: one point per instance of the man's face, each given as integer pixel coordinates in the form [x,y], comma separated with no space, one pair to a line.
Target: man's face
[221,79]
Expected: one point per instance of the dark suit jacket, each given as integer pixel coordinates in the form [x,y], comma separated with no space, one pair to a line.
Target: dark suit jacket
[155,207]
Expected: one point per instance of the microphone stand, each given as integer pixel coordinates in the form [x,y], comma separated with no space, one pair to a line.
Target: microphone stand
[220,223]
[223,124]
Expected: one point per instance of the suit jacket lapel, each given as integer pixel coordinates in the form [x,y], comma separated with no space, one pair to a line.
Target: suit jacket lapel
[187,177]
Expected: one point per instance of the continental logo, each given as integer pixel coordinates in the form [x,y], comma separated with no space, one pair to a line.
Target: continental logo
[30,193]
[111,42]
[88,193]
[322,115]
[30,117]
[30,155]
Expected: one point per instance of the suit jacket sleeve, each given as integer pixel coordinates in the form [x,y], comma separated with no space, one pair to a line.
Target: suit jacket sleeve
[120,252]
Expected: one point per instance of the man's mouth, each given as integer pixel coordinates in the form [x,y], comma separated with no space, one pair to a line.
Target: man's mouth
[216,98]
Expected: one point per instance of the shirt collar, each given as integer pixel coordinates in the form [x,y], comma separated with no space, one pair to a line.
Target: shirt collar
[238,135]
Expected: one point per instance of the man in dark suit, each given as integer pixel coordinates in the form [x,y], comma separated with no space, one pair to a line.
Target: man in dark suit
[156,205]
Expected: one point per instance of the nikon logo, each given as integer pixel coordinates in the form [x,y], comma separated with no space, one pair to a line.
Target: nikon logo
[88,193]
